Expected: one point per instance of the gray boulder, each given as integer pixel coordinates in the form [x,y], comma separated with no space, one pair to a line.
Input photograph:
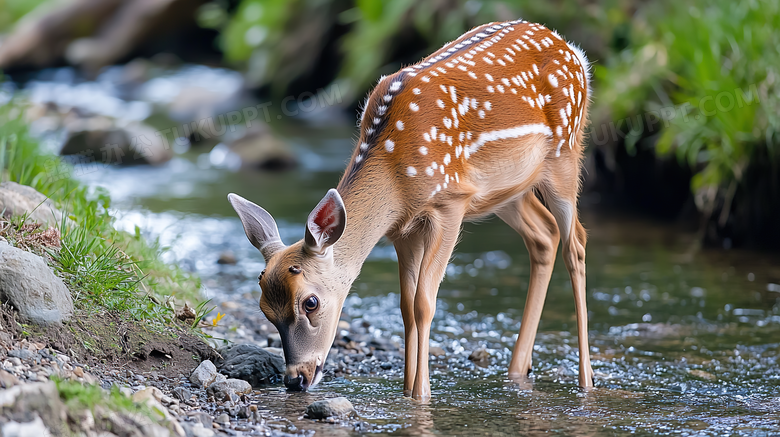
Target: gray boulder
[252,364]
[260,149]
[27,282]
[335,407]
[18,200]
[205,374]
[32,403]
[100,143]
[221,390]
[16,429]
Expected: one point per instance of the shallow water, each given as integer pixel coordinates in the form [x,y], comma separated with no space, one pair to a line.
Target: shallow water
[683,342]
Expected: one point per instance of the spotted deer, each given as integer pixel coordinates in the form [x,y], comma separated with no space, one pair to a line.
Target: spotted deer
[491,123]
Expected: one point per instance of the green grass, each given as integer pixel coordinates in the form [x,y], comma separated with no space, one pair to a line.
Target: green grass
[79,397]
[106,270]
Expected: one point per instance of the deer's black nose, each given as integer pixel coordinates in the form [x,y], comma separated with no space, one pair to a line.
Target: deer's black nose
[295,384]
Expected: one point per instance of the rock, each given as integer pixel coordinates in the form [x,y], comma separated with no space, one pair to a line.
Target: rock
[19,401]
[252,364]
[702,374]
[386,366]
[275,350]
[259,149]
[436,351]
[7,380]
[101,143]
[200,417]
[480,357]
[148,398]
[16,200]
[244,412]
[27,283]
[144,395]
[197,430]
[222,390]
[204,374]
[29,429]
[135,425]
[181,393]
[274,340]
[127,391]
[227,257]
[223,419]
[335,407]
[22,354]
[383,344]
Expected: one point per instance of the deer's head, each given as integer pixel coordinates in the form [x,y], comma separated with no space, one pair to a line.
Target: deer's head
[301,291]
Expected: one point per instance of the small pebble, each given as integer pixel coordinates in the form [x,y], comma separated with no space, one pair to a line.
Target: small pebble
[223,419]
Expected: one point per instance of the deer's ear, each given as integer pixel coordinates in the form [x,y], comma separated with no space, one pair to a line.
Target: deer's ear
[259,226]
[326,223]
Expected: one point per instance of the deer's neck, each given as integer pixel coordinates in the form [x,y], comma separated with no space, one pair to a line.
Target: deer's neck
[372,209]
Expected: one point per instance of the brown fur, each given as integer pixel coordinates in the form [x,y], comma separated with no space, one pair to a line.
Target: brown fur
[389,190]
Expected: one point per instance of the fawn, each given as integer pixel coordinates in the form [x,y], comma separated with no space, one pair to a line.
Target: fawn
[488,124]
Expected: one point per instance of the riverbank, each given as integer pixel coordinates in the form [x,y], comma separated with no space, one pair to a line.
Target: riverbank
[80,298]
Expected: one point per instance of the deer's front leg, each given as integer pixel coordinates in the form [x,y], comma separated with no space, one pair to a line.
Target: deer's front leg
[410,253]
[440,239]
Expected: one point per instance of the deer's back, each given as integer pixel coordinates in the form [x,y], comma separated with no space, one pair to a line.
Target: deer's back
[481,117]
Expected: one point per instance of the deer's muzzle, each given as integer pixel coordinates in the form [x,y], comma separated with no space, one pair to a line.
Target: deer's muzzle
[300,377]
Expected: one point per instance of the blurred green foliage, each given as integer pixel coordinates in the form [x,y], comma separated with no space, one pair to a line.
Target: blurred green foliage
[280,42]
[12,10]
[710,69]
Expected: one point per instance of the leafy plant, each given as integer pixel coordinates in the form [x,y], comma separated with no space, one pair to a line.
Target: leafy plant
[710,69]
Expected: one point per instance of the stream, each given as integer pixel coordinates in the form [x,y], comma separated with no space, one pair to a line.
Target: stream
[683,342]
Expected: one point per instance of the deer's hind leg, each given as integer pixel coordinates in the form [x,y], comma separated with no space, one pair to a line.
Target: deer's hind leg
[529,217]
[561,194]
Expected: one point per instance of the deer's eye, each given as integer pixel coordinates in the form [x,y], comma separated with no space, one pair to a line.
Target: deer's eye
[311,304]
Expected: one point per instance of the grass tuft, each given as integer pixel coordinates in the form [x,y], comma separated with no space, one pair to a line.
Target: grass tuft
[106,269]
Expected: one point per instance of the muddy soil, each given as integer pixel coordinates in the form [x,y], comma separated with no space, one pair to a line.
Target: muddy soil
[109,341]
